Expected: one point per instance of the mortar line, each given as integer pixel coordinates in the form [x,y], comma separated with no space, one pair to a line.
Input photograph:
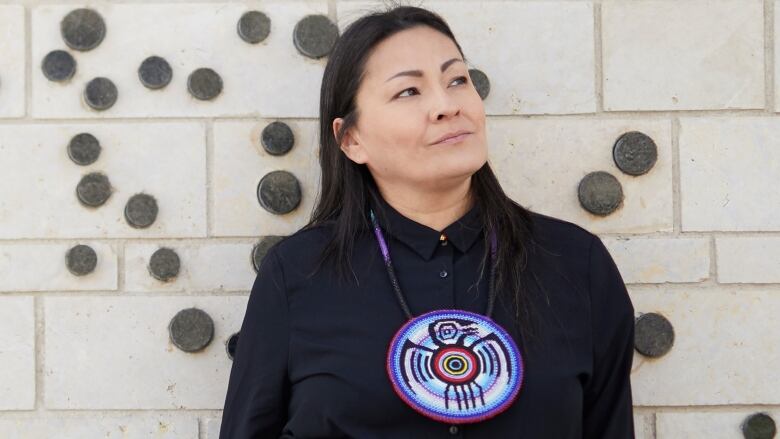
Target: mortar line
[38,334]
[713,260]
[209,162]
[598,47]
[769,56]
[27,63]
[676,181]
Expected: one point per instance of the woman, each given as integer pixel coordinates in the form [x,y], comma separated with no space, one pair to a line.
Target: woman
[522,324]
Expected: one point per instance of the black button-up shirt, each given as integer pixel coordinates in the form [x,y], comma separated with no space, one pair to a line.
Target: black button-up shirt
[310,358]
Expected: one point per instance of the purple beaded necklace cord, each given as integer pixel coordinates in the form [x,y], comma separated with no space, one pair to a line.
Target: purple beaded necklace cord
[394,281]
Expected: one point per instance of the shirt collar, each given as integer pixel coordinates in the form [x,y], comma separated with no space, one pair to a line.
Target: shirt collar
[422,239]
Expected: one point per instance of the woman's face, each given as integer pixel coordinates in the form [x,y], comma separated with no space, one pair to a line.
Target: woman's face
[406,103]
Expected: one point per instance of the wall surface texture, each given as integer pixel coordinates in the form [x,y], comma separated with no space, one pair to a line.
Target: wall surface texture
[138,194]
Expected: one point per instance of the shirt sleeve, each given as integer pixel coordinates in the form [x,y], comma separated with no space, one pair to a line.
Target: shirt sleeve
[608,405]
[256,400]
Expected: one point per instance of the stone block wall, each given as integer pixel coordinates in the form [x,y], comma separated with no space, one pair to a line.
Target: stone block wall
[140,150]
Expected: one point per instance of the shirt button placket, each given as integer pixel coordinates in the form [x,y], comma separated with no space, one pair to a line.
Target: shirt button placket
[454,430]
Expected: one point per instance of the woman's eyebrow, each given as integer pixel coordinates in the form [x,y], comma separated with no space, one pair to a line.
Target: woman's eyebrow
[419,73]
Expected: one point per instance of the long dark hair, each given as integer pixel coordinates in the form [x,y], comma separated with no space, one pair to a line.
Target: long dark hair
[348,187]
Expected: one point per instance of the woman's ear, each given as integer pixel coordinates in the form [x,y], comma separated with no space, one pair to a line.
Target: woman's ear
[349,144]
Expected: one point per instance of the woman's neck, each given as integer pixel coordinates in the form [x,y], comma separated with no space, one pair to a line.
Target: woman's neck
[436,210]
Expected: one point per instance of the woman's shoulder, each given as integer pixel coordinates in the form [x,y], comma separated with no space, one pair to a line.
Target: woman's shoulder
[566,249]
[560,234]
[572,247]
[307,240]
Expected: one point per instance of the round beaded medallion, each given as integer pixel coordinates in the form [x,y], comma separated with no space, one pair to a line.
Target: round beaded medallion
[455,366]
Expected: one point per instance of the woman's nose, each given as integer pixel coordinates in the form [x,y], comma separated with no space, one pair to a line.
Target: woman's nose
[445,105]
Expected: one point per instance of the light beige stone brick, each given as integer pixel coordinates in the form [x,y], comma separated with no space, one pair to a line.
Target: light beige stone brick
[729,173]
[667,55]
[748,259]
[538,56]
[43,267]
[659,260]
[204,267]
[12,77]
[101,425]
[643,426]
[270,78]
[723,345]
[213,426]
[540,163]
[240,162]
[123,344]
[165,160]
[17,354]
[721,424]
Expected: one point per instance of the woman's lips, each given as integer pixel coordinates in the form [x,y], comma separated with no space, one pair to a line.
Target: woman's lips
[455,139]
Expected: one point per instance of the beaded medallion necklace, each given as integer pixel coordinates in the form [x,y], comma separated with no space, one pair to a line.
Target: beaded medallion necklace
[452,365]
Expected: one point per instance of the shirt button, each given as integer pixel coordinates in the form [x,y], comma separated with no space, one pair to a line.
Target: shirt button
[453,429]
[443,273]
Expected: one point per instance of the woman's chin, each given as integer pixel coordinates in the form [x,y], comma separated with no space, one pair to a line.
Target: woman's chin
[457,171]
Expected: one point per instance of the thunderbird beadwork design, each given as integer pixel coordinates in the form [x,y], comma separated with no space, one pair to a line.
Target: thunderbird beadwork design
[455,366]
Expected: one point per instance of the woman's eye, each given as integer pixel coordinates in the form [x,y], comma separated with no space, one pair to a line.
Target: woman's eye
[459,78]
[465,80]
[410,88]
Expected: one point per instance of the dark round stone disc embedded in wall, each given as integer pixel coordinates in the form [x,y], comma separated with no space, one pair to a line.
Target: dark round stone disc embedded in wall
[315,35]
[261,249]
[204,84]
[759,426]
[634,153]
[100,93]
[600,193]
[481,82]
[84,149]
[81,260]
[279,192]
[191,329]
[83,29]
[155,72]
[231,344]
[254,27]
[141,210]
[653,335]
[58,65]
[277,138]
[164,264]
[93,189]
